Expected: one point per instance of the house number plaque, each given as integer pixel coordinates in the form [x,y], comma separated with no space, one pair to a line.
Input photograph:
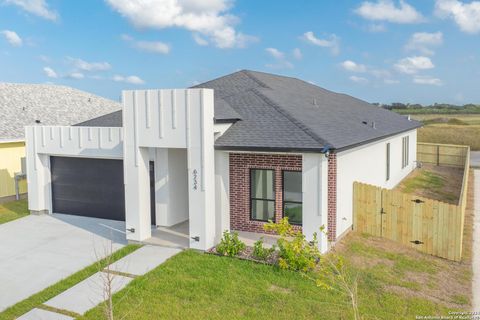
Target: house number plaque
[195,179]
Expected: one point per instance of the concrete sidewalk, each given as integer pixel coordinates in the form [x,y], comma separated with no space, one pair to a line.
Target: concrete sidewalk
[89,293]
[476,243]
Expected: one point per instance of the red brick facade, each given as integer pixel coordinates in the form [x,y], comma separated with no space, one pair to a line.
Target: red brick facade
[332,197]
[240,165]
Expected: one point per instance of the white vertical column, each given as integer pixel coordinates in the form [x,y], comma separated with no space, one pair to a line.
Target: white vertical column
[201,167]
[38,173]
[222,191]
[136,173]
[314,182]
[162,186]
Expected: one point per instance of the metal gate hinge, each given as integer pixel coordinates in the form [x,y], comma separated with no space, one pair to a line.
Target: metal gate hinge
[416,242]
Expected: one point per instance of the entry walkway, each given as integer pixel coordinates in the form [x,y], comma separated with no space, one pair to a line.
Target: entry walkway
[89,293]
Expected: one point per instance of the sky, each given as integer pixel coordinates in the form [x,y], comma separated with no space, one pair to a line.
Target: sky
[384,51]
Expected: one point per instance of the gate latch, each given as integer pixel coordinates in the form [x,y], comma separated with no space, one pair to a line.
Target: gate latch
[418,201]
[382,211]
[416,242]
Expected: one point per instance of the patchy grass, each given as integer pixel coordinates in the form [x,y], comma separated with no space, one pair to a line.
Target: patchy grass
[434,182]
[395,282]
[39,298]
[13,210]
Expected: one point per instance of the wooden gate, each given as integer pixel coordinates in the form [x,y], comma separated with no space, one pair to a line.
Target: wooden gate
[428,225]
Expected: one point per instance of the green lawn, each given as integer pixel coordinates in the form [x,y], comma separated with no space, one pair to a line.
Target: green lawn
[194,285]
[13,210]
[37,299]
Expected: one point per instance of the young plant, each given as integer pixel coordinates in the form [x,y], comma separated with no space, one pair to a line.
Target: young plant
[260,252]
[295,252]
[230,245]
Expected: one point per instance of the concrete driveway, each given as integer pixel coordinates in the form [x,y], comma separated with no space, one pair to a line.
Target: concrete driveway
[38,251]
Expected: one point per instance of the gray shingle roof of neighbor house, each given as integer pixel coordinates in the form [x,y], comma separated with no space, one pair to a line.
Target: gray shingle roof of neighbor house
[272,112]
[23,104]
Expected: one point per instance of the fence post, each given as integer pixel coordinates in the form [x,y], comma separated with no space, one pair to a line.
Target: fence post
[438,155]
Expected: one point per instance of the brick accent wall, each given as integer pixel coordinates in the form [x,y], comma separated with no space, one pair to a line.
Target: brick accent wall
[240,165]
[332,197]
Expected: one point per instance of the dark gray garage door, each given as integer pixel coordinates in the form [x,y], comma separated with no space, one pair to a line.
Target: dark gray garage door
[88,187]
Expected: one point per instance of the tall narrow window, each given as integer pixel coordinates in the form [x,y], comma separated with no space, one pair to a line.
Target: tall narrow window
[292,196]
[388,161]
[405,151]
[262,194]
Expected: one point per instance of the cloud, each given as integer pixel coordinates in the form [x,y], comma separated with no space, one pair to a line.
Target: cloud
[275,53]
[36,7]
[391,81]
[376,27]
[387,10]
[128,79]
[427,80]
[76,75]
[423,41]
[297,54]
[200,40]
[352,66]
[89,66]
[49,72]
[412,65]
[12,38]
[210,18]
[333,43]
[359,80]
[280,61]
[465,15]
[147,46]
[153,46]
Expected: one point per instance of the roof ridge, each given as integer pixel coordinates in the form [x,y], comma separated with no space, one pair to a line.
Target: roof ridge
[261,83]
[289,117]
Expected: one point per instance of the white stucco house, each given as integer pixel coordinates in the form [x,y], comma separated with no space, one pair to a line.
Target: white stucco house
[228,154]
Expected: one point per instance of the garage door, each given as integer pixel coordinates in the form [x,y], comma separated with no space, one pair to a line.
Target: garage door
[88,187]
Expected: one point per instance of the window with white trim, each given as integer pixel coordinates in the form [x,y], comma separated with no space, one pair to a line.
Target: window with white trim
[405,151]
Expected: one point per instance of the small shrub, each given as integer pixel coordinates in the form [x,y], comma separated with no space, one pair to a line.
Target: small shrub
[261,253]
[295,252]
[230,245]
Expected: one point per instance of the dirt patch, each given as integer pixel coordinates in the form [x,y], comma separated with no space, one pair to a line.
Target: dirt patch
[434,182]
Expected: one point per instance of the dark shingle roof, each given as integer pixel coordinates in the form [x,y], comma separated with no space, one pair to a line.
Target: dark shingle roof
[286,113]
[283,113]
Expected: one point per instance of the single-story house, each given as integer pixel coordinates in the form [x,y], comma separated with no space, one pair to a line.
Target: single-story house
[29,104]
[228,154]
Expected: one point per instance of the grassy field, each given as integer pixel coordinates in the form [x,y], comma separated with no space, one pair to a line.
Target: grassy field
[13,210]
[37,299]
[395,282]
[450,129]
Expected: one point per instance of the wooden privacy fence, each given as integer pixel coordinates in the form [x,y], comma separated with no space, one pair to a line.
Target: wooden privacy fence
[431,226]
[442,154]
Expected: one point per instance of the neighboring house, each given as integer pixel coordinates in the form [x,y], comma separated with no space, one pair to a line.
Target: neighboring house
[228,154]
[29,104]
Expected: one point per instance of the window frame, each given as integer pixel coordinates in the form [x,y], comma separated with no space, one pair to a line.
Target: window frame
[251,198]
[295,202]
[388,158]
[405,151]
